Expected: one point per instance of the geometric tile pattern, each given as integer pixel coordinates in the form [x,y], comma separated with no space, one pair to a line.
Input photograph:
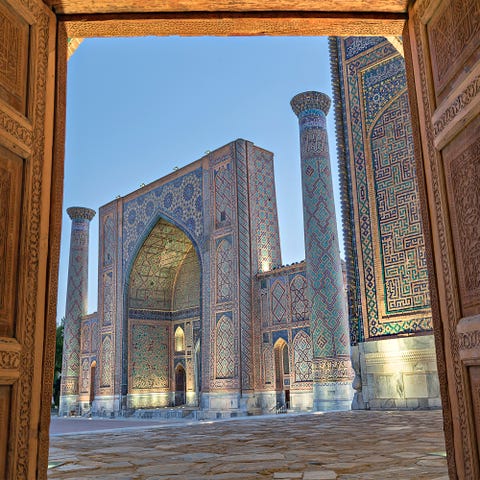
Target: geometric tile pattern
[225,348]
[279,302]
[224,263]
[108,241]
[383,234]
[267,367]
[284,291]
[106,365]
[223,195]
[302,357]
[263,210]
[329,319]
[298,292]
[247,260]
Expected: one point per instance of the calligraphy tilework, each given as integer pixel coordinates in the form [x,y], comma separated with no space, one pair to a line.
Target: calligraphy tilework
[391,287]
[149,356]
[398,210]
[179,201]
[353,47]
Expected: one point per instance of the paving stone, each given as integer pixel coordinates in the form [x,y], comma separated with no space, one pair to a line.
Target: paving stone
[288,475]
[320,475]
[364,445]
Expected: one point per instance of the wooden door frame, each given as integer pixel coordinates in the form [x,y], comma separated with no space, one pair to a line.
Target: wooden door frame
[77,20]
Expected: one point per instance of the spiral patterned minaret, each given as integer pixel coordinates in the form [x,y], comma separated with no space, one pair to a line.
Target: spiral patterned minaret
[332,372]
[75,308]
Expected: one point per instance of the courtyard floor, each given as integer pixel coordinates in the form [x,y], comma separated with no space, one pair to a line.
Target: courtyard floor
[360,445]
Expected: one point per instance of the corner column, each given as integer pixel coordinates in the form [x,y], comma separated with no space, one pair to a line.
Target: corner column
[332,371]
[76,307]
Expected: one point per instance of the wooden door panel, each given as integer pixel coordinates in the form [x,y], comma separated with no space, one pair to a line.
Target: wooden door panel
[27,49]
[444,38]
[5,393]
[461,160]
[14,44]
[11,169]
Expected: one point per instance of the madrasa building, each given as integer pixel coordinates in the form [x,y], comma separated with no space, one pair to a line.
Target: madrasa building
[196,312]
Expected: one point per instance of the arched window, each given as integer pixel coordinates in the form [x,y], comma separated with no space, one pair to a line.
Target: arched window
[179,339]
[286,362]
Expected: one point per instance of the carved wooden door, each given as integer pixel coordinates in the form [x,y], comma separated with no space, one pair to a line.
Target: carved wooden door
[27,49]
[444,36]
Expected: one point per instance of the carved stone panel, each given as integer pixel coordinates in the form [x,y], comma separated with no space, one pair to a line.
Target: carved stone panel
[14,39]
[10,205]
[462,171]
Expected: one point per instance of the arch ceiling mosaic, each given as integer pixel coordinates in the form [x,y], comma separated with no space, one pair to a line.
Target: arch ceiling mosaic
[166,252]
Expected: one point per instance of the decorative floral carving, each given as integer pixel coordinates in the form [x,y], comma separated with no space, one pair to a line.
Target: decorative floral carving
[9,360]
[469,340]
[16,130]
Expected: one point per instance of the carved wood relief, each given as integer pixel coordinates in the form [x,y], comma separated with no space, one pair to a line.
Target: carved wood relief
[10,195]
[462,169]
[5,392]
[14,37]
[454,33]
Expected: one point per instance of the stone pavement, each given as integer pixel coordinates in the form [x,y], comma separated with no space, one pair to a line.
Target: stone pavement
[357,445]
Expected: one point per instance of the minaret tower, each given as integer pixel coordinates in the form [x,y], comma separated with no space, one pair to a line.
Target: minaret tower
[332,372]
[76,307]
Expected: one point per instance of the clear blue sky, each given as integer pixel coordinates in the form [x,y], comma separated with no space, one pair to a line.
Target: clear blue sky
[137,108]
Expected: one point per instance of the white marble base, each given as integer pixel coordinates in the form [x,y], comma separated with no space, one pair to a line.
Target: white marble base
[397,373]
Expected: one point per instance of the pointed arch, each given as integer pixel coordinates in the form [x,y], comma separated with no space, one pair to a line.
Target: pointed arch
[179,339]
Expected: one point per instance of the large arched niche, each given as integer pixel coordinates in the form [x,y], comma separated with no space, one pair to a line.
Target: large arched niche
[162,295]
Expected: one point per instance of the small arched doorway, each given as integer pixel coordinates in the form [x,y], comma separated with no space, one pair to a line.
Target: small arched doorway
[93,370]
[282,372]
[180,385]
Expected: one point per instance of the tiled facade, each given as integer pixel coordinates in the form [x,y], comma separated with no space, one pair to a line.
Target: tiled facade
[196,309]
[388,295]
[179,259]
